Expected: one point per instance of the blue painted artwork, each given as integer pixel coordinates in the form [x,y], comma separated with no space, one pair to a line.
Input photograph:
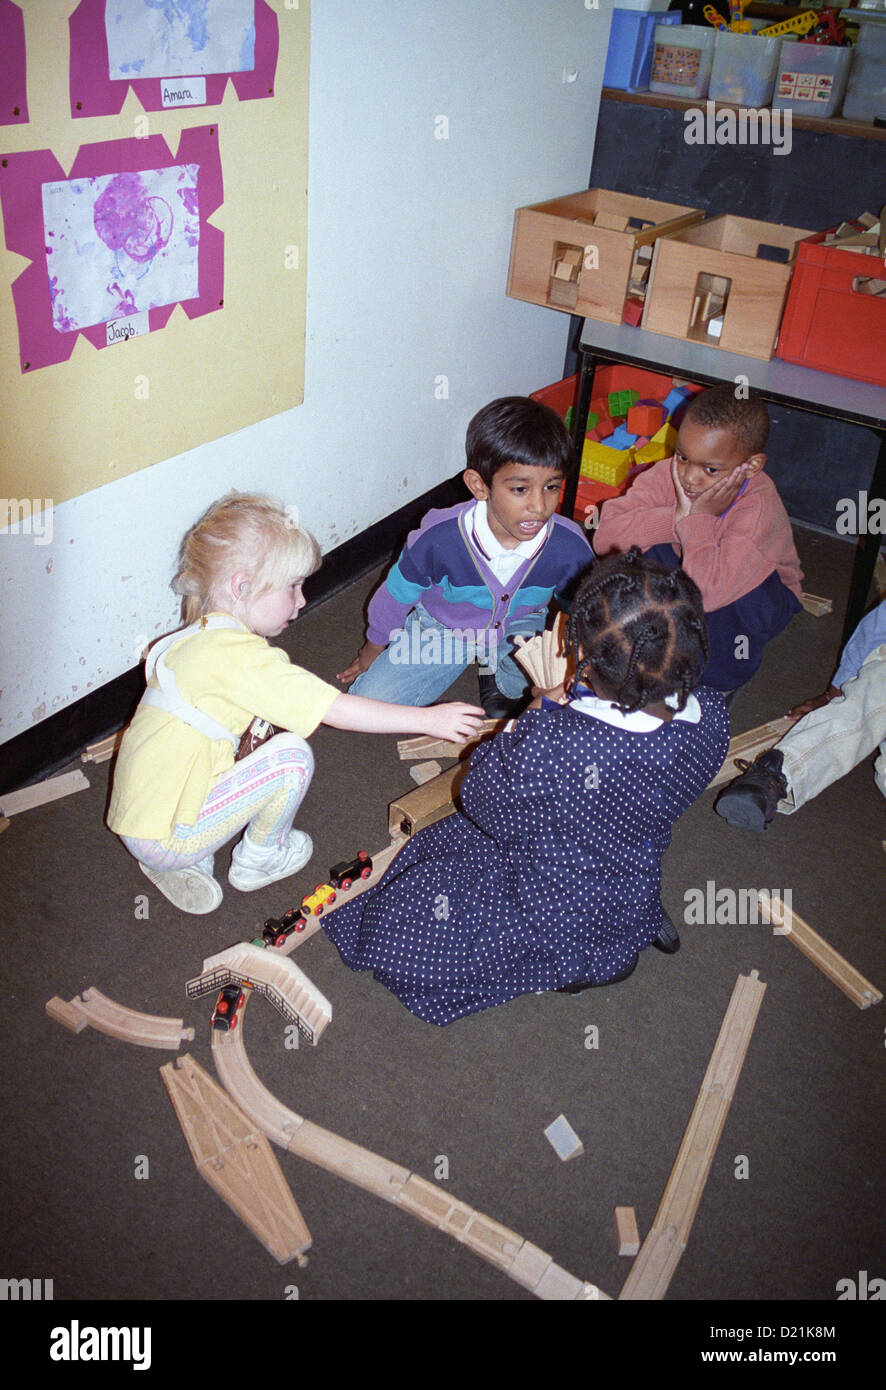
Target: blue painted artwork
[179,38]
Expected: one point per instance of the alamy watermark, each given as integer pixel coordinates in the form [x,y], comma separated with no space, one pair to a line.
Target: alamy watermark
[27,516]
[737,126]
[730,907]
[451,646]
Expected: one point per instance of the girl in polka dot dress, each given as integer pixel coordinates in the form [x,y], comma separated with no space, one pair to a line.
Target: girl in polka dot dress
[550,876]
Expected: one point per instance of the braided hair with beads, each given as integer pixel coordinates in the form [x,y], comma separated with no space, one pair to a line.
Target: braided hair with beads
[640,628]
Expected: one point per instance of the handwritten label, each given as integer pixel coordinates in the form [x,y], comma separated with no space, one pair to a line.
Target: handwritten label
[184,91]
[132,326]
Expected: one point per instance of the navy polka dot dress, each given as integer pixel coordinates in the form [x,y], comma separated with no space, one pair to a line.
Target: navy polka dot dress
[551,874]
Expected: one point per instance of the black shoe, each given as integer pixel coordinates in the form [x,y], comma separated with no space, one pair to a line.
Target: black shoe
[496,705]
[579,986]
[750,801]
[667,939]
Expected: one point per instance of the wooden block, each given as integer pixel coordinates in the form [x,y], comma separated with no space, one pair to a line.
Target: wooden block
[103,750]
[626,1232]
[12,803]
[235,1158]
[563,1139]
[613,220]
[815,948]
[660,1253]
[423,772]
[818,607]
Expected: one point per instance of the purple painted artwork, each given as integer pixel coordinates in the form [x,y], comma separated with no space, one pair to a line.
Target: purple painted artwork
[126,232]
[13,66]
[120,244]
[193,37]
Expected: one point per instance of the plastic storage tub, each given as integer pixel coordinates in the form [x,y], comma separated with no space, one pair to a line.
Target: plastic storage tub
[811,79]
[681,60]
[866,92]
[830,324]
[744,69]
[631,41]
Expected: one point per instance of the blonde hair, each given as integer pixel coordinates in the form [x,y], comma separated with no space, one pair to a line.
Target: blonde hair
[248,532]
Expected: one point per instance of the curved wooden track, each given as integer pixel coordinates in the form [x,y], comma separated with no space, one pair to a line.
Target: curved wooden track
[94,1009]
[509,1252]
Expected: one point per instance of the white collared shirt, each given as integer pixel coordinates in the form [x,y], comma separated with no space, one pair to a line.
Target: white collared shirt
[502,561]
[638,721]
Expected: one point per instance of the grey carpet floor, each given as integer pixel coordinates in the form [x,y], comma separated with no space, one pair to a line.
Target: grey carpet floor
[98,1189]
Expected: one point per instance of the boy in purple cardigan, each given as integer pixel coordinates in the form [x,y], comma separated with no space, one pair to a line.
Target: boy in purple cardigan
[474,576]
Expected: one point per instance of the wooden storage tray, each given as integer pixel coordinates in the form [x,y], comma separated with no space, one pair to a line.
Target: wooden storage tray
[725,252]
[545,269]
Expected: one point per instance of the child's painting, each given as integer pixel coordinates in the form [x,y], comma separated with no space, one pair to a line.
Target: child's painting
[121,243]
[179,38]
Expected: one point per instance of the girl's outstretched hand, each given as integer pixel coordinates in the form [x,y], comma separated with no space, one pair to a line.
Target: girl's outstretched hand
[455,721]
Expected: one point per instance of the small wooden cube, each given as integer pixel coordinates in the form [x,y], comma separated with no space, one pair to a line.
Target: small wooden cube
[563,1138]
[626,1232]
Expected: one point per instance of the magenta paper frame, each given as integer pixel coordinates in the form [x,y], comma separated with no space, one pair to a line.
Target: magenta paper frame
[13,66]
[22,176]
[93,93]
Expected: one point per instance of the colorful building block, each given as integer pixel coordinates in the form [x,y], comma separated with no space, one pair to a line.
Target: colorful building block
[605,465]
[650,453]
[622,438]
[620,402]
[667,436]
[677,397]
[646,417]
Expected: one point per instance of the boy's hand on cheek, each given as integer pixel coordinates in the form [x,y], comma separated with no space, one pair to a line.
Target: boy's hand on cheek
[721,494]
[684,506]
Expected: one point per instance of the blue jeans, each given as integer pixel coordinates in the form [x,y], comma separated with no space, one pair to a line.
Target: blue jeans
[424,658]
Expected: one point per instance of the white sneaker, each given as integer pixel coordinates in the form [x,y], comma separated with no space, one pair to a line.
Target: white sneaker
[193,890]
[255,866]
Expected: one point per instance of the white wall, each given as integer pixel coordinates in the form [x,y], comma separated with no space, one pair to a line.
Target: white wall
[407,260]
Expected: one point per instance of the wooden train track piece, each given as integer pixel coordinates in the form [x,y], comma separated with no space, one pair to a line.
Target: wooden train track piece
[424,772]
[4,824]
[94,1009]
[424,746]
[105,749]
[268,972]
[819,951]
[380,862]
[544,657]
[748,745]
[519,1259]
[429,803]
[818,607]
[13,803]
[236,1160]
[660,1252]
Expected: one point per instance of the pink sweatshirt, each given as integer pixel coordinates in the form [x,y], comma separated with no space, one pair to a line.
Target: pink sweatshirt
[728,556]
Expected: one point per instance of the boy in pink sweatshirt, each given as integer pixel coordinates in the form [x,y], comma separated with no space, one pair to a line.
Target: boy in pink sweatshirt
[712,509]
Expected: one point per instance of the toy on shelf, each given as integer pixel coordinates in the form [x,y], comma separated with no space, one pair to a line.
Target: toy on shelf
[620,402]
[830,29]
[800,24]
[605,464]
[714,17]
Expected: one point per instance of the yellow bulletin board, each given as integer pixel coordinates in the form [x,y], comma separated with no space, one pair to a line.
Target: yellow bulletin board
[67,427]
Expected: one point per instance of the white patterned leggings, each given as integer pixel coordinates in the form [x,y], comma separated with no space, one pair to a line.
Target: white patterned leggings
[261,792]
